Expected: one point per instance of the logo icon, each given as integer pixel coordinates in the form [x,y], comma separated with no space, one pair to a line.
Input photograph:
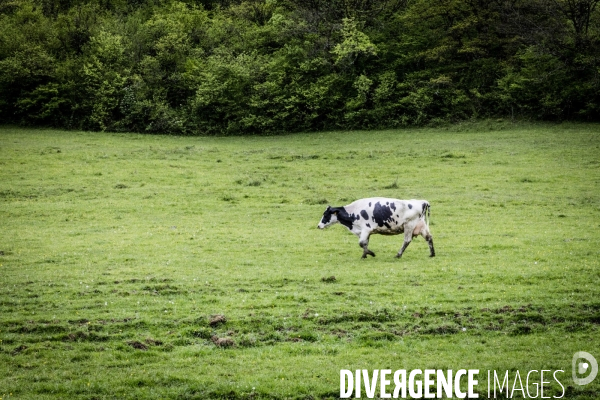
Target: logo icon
[581,367]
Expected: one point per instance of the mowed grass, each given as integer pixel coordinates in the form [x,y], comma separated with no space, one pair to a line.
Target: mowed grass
[119,251]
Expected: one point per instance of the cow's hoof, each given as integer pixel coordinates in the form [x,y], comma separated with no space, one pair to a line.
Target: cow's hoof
[373,254]
[398,255]
[432,255]
[364,256]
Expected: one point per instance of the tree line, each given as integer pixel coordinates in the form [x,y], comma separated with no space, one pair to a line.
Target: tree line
[271,66]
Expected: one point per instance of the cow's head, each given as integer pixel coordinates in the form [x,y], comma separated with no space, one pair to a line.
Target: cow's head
[329,217]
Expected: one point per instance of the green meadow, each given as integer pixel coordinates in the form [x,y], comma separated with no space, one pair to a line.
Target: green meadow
[162,267]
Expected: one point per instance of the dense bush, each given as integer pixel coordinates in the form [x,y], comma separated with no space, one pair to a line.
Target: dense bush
[268,66]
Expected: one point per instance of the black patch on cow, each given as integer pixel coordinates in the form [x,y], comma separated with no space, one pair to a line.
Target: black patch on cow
[387,225]
[382,214]
[327,215]
[424,206]
[369,204]
[393,206]
[409,205]
[364,214]
[368,225]
[342,215]
[346,219]
[387,203]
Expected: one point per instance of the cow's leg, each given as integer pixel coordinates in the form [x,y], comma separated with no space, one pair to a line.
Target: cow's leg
[429,239]
[404,246]
[407,239]
[364,243]
[427,236]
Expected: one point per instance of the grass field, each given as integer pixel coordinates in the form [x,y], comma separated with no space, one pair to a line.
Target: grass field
[119,251]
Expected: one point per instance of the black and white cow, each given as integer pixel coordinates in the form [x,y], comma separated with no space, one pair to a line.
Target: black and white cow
[379,215]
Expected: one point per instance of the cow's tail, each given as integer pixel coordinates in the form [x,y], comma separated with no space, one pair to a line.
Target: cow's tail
[427,212]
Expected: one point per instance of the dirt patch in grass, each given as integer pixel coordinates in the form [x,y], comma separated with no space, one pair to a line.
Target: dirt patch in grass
[223,342]
[137,345]
[217,320]
[18,349]
[153,342]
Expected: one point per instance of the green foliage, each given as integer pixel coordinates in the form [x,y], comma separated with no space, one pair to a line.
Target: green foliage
[271,66]
[354,44]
